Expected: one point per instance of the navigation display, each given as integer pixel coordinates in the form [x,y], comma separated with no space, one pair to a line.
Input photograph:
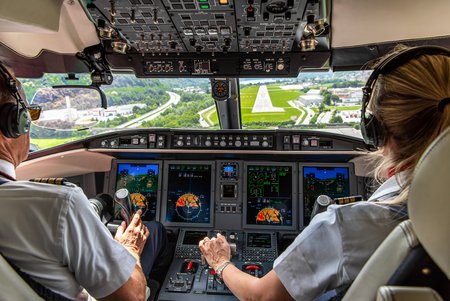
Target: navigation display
[269,195]
[141,180]
[331,181]
[189,194]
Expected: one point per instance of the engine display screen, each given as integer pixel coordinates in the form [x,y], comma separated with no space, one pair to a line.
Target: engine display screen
[141,180]
[331,181]
[269,195]
[259,240]
[189,194]
[193,237]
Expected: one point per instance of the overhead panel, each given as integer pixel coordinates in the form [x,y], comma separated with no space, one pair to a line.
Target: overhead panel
[213,37]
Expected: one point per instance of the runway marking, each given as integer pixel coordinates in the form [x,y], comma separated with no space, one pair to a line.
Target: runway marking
[263,103]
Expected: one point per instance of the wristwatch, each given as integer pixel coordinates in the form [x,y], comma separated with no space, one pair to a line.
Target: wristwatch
[219,271]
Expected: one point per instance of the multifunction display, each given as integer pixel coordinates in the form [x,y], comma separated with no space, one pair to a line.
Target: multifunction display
[331,181]
[269,195]
[189,193]
[194,237]
[141,180]
[259,240]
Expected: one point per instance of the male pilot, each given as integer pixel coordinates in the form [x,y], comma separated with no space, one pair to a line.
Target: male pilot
[51,233]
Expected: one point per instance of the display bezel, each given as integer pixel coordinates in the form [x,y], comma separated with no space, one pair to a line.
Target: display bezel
[165,192]
[351,177]
[294,196]
[113,177]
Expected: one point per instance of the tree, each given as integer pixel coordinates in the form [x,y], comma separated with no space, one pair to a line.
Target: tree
[327,99]
[336,119]
[321,107]
[335,98]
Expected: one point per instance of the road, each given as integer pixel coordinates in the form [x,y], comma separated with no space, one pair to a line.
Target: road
[297,105]
[205,123]
[174,99]
[325,117]
[310,115]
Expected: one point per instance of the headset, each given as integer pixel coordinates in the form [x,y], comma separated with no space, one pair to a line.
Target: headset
[372,129]
[15,119]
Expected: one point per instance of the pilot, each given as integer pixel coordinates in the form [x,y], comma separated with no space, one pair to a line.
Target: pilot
[51,233]
[408,94]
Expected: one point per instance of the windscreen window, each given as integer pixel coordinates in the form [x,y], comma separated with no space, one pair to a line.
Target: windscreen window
[141,180]
[269,195]
[189,194]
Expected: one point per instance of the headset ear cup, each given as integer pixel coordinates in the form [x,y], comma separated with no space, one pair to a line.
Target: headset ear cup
[373,132]
[10,125]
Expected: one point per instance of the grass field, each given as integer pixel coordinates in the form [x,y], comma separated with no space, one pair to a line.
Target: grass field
[42,143]
[279,99]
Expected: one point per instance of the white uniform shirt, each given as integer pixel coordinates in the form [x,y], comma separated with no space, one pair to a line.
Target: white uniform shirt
[332,250]
[52,233]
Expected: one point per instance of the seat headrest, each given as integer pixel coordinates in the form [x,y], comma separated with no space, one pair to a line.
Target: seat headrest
[429,201]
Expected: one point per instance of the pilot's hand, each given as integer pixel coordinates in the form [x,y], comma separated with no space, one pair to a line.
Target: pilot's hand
[216,250]
[134,236]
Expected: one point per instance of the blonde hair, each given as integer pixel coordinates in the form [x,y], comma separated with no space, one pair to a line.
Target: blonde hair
[405,101]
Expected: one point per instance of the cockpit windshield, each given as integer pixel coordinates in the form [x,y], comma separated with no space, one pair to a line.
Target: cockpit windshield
[325,101]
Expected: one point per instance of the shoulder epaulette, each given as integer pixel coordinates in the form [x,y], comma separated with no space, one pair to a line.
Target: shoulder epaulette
[55,181]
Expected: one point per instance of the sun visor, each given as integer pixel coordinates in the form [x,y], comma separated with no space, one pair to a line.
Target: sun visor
[54,25]
[26,16]
[356,22]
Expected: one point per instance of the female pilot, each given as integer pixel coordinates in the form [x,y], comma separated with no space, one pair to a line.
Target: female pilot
[408,94]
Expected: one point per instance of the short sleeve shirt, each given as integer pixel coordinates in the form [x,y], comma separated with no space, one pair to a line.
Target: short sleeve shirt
[52,233]
[332,250]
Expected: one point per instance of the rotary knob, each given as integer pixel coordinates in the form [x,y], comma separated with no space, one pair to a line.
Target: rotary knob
[208,143]
[238,143]
[104,143]
[180,143]
[113,143]
[223,143]
[265,144]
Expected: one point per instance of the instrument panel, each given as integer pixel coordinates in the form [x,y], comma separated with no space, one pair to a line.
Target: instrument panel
[231,194]
[250,202]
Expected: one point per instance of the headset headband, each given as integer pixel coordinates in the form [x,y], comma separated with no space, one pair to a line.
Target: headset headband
[371,128]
